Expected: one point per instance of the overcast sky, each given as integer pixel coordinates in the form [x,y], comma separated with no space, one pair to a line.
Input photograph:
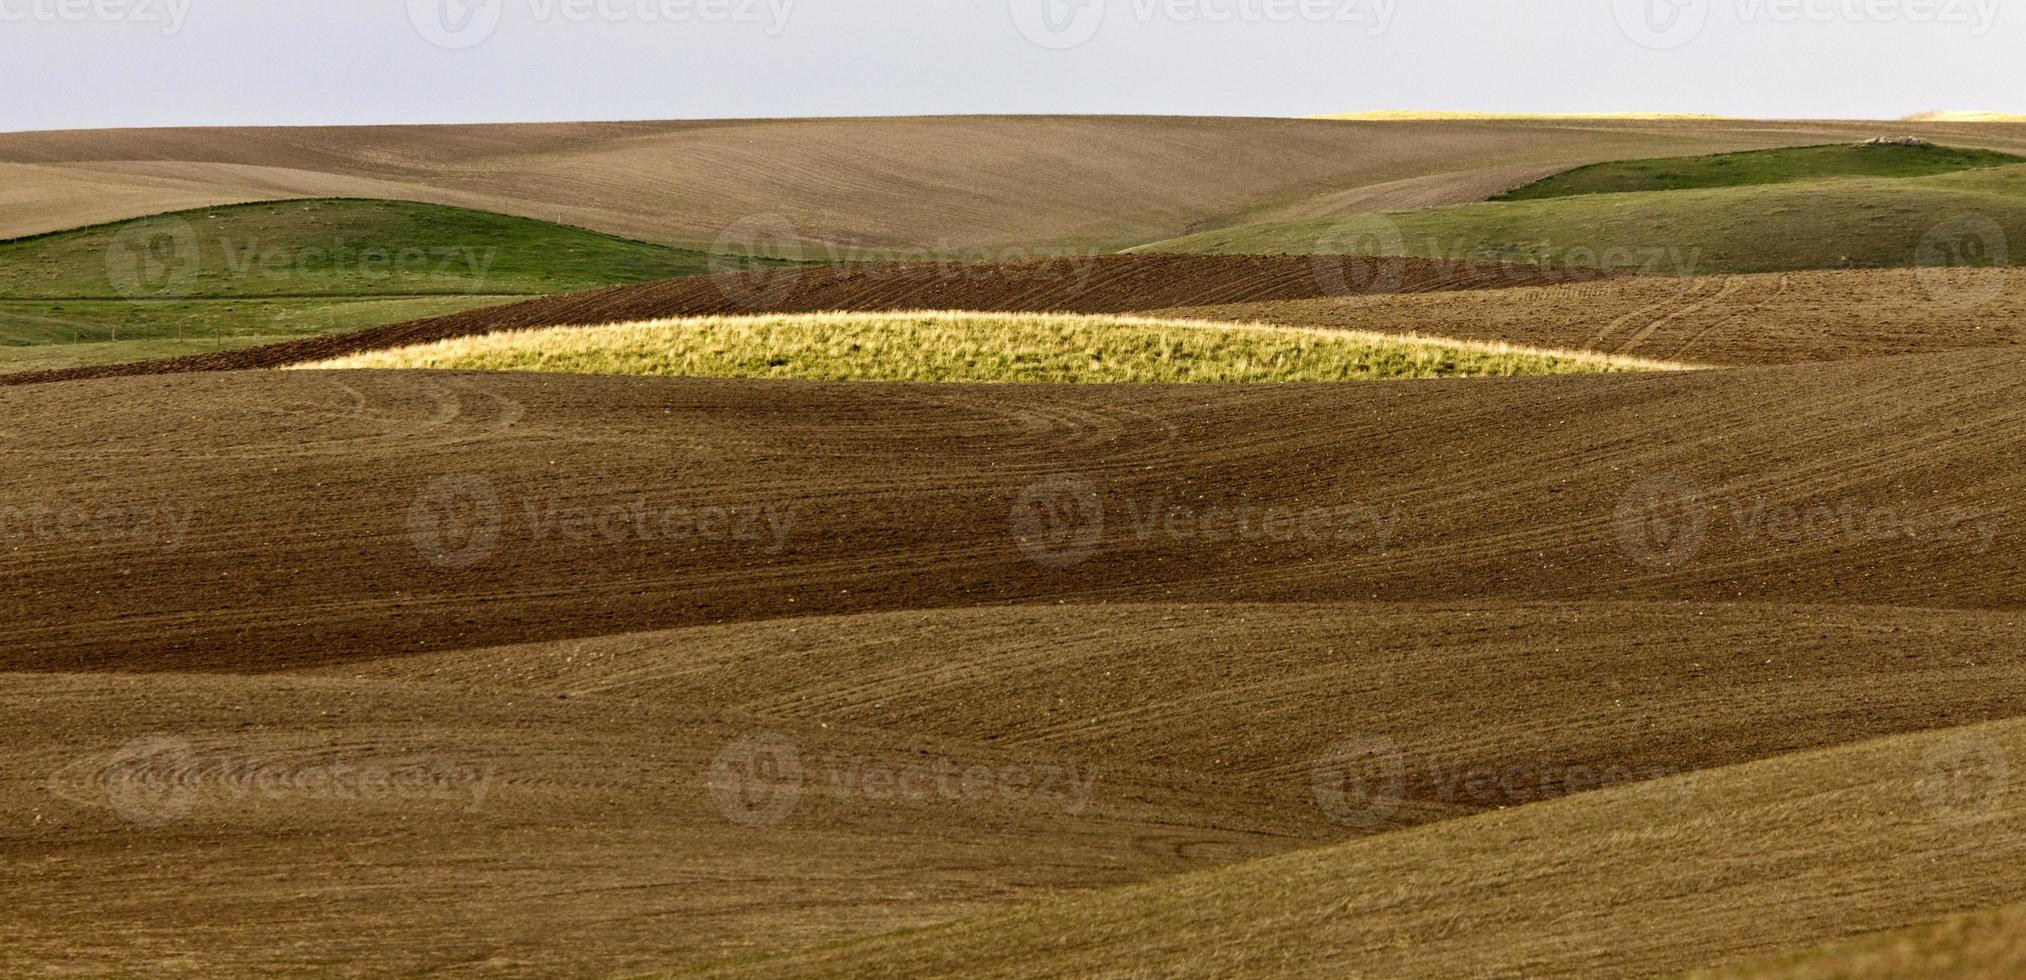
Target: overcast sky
[97,63]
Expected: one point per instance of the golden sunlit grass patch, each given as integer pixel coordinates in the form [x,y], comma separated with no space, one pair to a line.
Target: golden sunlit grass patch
[984,347]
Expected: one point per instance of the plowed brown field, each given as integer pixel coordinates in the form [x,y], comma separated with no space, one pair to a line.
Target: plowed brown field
[1777,318]
[251,588]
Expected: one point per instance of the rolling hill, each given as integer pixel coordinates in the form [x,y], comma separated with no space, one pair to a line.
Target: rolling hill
[1736,862]
[518,674]
[1179,776]
[1474,604]
[1759,167]
[943,184]
[227,277]
[1775,318]
[1964,218]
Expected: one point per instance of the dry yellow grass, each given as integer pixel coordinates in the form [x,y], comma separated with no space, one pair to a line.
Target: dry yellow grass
[984,347]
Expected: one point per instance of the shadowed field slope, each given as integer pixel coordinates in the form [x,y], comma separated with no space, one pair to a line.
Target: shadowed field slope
[1759,857]
[326,515]
[1183,738]
[1486,705]
[1771,318]
[396,830]
[905,183]
[983,347]
[1089,284]
[1959,218]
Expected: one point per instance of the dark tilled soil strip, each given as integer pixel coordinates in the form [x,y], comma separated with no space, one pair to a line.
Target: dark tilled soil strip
[1092,284]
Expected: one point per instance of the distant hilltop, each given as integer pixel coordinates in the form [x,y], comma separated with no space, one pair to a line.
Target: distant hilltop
[1408,115]
[1412,115]
[1964,117]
